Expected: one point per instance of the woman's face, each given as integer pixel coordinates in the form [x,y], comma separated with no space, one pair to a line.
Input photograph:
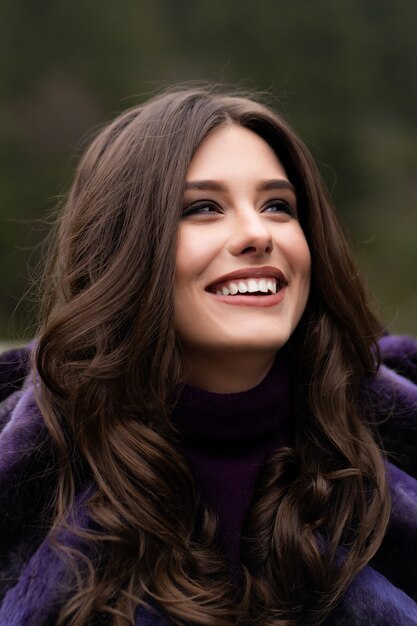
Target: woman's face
[242,263]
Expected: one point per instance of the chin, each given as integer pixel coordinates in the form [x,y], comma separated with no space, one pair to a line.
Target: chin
[262,339]
[258,345]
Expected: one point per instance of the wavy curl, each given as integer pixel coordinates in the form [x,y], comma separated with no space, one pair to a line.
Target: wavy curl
[110,364]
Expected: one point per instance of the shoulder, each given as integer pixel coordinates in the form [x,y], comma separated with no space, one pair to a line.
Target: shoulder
[391,398]
[23,432]
[26,459]
[14,367]
[400,354]
[395,385]
[14,373]
[385,591]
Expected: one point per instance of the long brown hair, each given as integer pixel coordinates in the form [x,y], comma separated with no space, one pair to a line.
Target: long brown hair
[109,365]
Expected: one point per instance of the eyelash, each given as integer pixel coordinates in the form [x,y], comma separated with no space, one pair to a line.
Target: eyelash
[197,208]
[283,206]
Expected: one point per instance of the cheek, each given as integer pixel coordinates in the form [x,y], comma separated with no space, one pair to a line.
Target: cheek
[298,254]
[184,255]
[189,264]
[194,255]
[188,256]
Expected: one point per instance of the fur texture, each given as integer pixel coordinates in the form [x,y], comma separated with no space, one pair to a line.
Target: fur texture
[34,579]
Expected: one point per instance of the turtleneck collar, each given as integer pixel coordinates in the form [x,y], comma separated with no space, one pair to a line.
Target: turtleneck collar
[204,415]
[226,438]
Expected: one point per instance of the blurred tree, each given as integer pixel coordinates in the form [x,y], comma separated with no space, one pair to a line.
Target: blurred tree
[344,74]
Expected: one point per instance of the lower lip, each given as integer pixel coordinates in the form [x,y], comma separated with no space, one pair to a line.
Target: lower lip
[257,301]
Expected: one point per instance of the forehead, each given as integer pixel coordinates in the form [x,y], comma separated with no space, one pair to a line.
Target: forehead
[234,150]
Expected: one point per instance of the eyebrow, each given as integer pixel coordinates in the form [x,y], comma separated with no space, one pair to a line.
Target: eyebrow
[205,185]
[214,185]
[275,183]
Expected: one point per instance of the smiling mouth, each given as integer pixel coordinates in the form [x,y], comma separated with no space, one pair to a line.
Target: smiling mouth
[265,286]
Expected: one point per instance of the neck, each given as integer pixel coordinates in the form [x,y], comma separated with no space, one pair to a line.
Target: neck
[228,373]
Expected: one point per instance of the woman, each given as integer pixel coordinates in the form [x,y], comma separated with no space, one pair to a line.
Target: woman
[198,441]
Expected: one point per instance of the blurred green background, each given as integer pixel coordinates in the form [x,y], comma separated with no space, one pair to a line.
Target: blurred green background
[344,73]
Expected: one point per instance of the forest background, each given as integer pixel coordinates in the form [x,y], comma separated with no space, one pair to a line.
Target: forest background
[344,73]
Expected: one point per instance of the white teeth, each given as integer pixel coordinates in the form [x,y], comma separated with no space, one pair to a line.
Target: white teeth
[251,285]
[263,285]
[272,286]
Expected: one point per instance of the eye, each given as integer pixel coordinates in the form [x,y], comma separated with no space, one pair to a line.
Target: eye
[203,207]
[280,206]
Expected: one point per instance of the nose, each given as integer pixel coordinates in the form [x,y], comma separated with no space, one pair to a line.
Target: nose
[251,235]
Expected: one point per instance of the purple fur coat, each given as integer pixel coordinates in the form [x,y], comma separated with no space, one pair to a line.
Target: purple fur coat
[34,580]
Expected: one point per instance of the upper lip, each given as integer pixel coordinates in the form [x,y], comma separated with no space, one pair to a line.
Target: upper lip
[251,272]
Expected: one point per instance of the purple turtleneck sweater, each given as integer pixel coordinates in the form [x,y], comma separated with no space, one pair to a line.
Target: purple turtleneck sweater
[226,438]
